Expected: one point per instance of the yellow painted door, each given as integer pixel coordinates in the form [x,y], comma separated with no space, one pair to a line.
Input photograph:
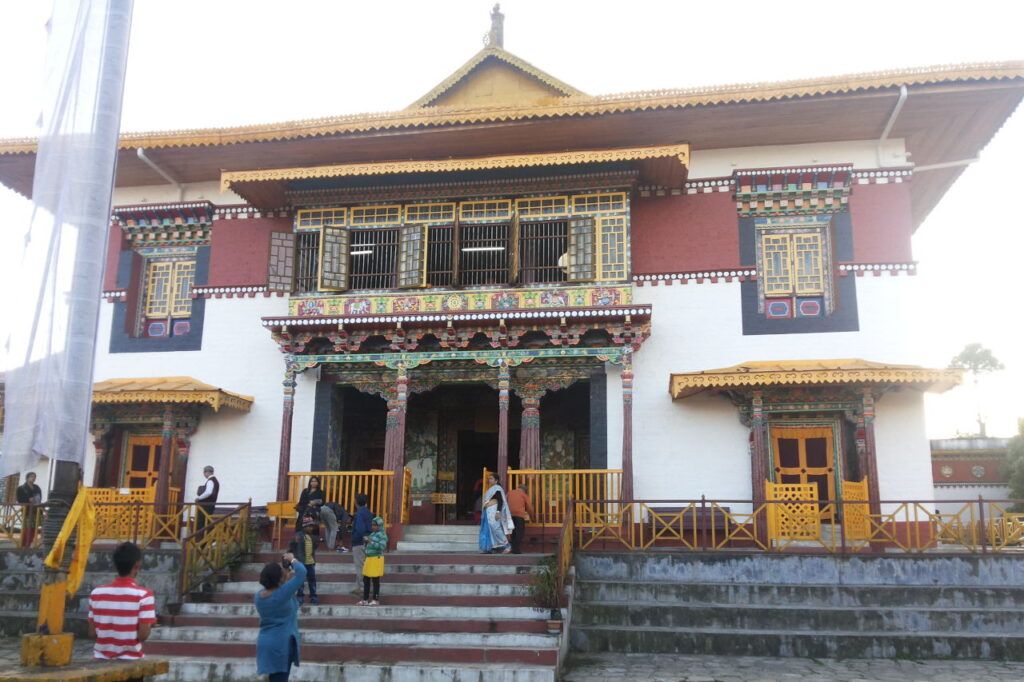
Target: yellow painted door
[804,454]
[142,463]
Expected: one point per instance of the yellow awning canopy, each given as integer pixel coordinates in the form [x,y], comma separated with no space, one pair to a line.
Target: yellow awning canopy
[811,373]
[168,390]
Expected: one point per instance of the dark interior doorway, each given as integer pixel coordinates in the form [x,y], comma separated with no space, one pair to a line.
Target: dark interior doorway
[476,451]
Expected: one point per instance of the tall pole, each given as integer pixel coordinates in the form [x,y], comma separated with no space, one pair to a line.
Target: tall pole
[394,441]
[285,454]
[504,381]
[627,424]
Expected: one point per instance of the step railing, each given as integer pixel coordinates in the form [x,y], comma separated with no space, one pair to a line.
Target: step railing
[16,519]
[343,486]
[552,491]
[216,546]
[908,526]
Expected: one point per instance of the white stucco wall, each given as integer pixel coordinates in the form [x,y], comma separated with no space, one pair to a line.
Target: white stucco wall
[683,449]
[953,499]
[718,163]
[237,355]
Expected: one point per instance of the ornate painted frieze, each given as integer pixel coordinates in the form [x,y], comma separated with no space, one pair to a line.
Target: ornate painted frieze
[183,224]
[466,301]
[792,191]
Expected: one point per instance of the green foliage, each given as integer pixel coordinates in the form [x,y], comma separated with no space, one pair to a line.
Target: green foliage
[546,588]
[1015,463]
[976,359]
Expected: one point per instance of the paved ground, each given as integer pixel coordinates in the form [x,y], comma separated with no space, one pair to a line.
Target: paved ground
[10,652]
[668,668]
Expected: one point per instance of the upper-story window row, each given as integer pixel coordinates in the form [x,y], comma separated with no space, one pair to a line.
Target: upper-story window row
[528,240]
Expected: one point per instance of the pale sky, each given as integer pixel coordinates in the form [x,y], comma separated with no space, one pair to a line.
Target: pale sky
[230,62]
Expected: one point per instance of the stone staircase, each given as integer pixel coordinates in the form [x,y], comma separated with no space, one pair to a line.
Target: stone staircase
[21,571]
[877,606]
[455,617]
[447,539]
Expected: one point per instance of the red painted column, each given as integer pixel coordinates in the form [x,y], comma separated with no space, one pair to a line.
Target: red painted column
[627,424]
[394,441]
[870,461]
[166,444]
[99,442]
[529,432]
[285,456]
[504,379]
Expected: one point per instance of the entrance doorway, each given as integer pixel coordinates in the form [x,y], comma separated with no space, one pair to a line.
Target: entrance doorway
[805,454]
[476,451]
[142,465]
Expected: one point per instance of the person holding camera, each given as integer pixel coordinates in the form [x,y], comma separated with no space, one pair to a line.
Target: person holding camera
[277,646]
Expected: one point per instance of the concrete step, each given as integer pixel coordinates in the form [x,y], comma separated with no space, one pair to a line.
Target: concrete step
[393,587]
[347,598]
[799,618]
[395,567]
[407,613]
[660,592]
[772,642]
[444,531]
[361,637]
[314,618]
[445,547]
[187,669]
[347,574]
[416,558]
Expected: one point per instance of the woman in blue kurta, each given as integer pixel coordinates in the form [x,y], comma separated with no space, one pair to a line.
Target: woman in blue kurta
[277,646]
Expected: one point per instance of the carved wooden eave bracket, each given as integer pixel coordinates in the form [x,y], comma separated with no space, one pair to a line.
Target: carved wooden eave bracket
[168,390]
[464,334]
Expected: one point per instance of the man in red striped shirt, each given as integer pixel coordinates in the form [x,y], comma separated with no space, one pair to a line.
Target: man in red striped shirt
[121,614]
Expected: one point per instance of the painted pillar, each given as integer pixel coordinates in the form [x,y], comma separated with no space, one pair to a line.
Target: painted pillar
[759,463]
[529,431]
[870,460]
[627,424]
[284,459]
[163,482]
[183,436]
[504,379]
[99,442]
[394,441]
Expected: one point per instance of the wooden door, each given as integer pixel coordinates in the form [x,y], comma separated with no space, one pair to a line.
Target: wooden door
[805,454]
[142,463]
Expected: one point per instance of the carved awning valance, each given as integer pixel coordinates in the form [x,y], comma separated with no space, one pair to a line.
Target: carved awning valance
[812,373]
[167,390]
[664,166]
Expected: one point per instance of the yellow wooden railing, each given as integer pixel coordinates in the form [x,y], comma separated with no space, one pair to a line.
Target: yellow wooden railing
[13,522]
[553,491]
[212,549]
[343,486]
[797,525]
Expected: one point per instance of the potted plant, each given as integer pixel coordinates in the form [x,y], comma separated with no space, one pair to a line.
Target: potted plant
[546,592]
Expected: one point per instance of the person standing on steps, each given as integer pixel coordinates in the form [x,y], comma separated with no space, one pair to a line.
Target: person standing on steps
[360,529]
[206,498]
[277,646]
[373,568]
[496,522]
[522,511]
[303,547]
[28,494]
[310,501]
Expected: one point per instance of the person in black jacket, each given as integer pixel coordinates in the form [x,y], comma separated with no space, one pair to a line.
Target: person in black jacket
[312,496]
[303,547]
[28,494]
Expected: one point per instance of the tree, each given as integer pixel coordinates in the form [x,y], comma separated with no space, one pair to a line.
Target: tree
[1015,463]
[977,360]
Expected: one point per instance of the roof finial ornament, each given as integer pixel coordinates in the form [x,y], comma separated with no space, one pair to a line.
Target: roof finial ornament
[496,36]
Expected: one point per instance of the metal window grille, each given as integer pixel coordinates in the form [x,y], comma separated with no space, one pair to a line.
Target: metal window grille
[484,254]
[377,215]
[307,260]
[541,246]
[318,217]
[373,258]
[440,256]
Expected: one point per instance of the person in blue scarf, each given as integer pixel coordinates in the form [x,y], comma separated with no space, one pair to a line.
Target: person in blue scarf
[496,520]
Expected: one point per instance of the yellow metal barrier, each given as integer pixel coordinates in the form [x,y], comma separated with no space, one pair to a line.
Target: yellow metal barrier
[796,525]
[553,491]
[343,486]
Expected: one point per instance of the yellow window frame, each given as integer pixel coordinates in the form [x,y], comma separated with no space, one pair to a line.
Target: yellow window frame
[793,263]
[542,207]
[441,212]
[169,288]
[382,215]
[601,202]
[486,209]
[318,217]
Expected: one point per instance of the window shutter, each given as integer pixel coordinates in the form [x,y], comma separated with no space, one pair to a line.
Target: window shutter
[613,248]
[334,265]
[776,259]
[181,295]
[281,266]
[158,289]
[412,256]
[582,250]
[808,257]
